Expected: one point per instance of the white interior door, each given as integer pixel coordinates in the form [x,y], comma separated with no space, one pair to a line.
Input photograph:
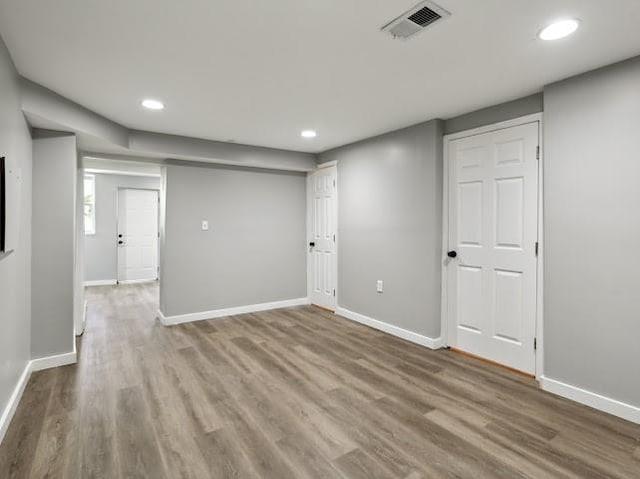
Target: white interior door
[493,196]
[137,235]
[323,222]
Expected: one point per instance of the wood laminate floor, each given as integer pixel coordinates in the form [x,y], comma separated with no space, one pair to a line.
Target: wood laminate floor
[292,393]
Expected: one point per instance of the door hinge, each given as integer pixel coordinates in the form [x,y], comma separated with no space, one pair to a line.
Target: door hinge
[334,238]
[535,344]
[334,183]
[538,152]
[334,292]
[537,247]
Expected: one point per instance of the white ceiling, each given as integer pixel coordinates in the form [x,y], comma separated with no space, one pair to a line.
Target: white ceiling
[259,71]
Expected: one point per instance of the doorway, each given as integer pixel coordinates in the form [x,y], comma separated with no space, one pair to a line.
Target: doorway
[137,235]
[490,277]
[322,225]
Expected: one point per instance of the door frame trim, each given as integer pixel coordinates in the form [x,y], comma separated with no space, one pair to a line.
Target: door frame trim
[321,166]
[118,188]
[444,304]
[327,164]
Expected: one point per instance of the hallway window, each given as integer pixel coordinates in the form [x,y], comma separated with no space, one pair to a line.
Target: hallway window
[89,205]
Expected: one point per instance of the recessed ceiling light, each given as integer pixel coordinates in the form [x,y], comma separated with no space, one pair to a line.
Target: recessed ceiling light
[560,29]
[308,134]
[153,104]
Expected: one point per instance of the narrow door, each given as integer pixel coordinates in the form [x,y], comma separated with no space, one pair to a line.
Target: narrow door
[493,196]
[322,237]
[137,235]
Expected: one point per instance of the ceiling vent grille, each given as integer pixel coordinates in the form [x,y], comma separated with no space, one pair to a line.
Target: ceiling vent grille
[415,20]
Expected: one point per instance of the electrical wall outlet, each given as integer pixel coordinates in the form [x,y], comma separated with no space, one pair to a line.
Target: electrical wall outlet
[205,225]
[379,286]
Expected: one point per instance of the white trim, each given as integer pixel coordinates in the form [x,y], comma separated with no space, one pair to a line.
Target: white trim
[308,232]
[136,281]
[12,404]
[32,366]
[54,361]
[596,401]
[220,313]
[416,338]
[336,212]
[523,120]
[120,172]
[88,176]
[80,331]
[327,164]
[540,274]
[444,310]
[163,319]
[444,271]
[101,282]
[79,303]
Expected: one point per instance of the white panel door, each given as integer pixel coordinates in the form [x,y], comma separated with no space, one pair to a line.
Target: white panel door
[322,241]
[493,218]
[137,235]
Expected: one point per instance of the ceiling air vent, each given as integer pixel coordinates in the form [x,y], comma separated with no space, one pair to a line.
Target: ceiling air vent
[415,20]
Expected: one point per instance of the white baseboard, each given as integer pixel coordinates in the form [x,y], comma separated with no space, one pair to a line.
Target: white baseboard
[101,282]
[416,338]
[54,361]
[220,313]
[12,405]
[32,366]
[84,318]
[596,401]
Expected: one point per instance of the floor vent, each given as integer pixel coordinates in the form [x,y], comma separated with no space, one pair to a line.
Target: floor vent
[415,20]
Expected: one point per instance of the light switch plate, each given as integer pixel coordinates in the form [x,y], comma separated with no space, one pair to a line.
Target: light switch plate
[379,286]
[205,225]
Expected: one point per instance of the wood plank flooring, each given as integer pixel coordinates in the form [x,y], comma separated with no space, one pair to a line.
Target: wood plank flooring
[292,393]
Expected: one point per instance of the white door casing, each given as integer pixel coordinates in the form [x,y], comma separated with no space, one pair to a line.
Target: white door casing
[493,227]
[323,223]
[137,234]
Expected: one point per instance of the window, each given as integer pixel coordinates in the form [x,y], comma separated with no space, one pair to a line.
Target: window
[89,205]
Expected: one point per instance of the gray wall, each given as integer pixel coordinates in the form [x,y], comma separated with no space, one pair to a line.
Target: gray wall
[255,249]
[15,267]
[592,230]
[495,114]
[100,260]
[53,254]
[390,226]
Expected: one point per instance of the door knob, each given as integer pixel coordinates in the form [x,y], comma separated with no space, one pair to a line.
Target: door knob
[120,242]
[452,254]
[119,236]
[312,243]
